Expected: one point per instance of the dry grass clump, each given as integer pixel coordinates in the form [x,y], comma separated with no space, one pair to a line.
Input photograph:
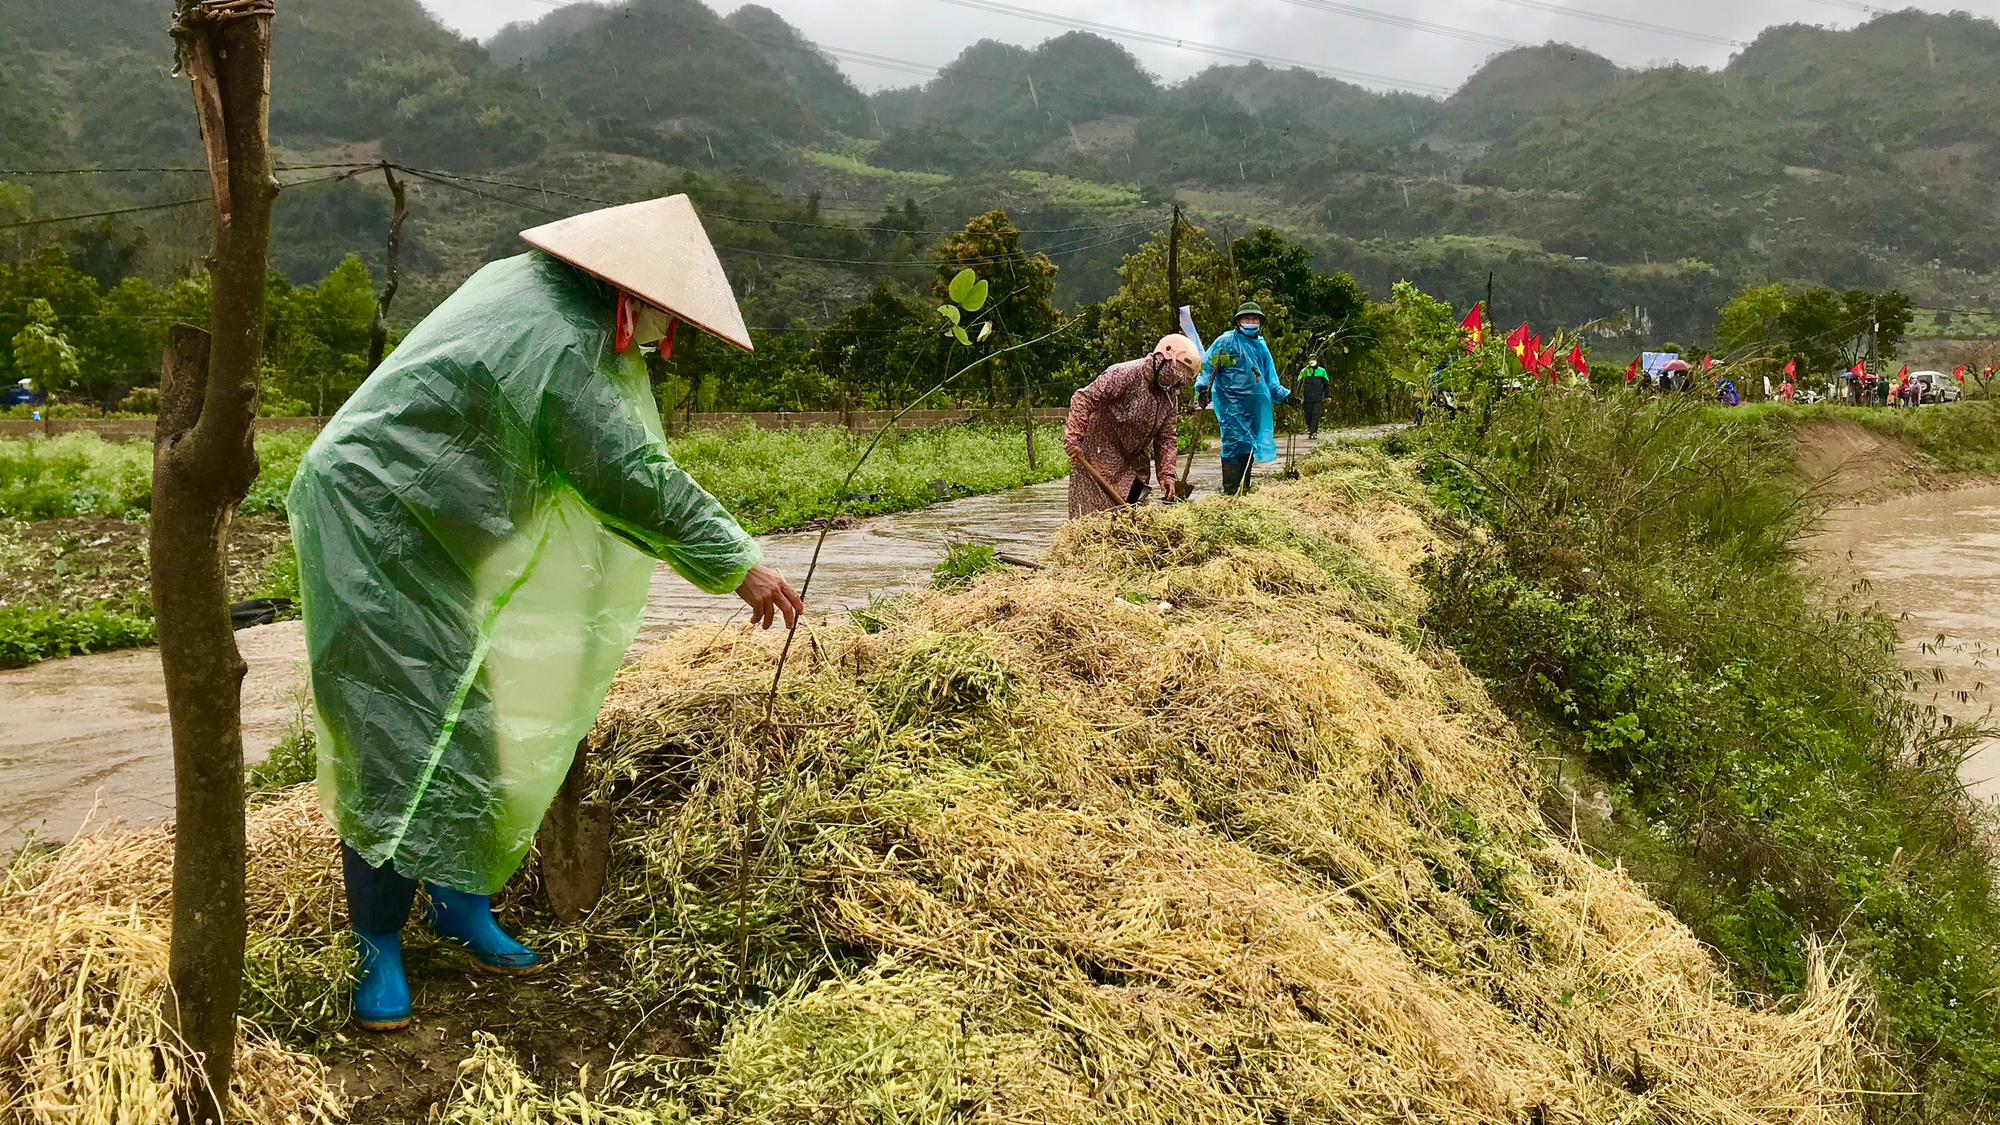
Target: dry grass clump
[1190,826]
[83,972]
[1179,829]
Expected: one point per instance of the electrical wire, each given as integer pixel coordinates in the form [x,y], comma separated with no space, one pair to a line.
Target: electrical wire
[1116,32]
[1059,249]
[1621,21]
[707,214]
[103,214]
[1447,30]
[145,207]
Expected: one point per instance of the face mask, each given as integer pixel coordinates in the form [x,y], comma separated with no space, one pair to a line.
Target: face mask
[651,325]
[1249,329]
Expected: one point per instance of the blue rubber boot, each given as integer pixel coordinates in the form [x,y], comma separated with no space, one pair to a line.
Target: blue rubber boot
[381,991]
[468,920]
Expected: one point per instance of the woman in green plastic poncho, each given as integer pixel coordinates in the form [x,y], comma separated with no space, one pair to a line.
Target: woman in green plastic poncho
[476,529]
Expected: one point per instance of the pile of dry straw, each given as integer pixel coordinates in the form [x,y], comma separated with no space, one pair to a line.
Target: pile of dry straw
[1190,826]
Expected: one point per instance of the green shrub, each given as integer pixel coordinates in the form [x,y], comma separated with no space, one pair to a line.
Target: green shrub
[1640,606]
[29,634]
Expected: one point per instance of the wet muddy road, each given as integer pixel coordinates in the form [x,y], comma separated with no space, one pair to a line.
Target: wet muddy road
[87,737]
[1933,560]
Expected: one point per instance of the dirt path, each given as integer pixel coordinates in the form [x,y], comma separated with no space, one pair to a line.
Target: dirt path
[86,738]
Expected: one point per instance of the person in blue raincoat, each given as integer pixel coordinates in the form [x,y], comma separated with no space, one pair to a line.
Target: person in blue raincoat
[476,529]
[1240,379]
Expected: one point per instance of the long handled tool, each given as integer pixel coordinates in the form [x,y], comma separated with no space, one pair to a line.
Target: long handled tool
[1116,500]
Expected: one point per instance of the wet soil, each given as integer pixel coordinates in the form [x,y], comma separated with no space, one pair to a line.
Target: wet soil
[559,1035]
[1932,560]
[88,559]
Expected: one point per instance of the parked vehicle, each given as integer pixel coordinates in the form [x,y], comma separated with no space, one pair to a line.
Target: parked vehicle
[1937,386]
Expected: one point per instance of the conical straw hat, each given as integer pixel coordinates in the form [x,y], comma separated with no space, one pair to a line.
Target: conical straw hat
[655,251]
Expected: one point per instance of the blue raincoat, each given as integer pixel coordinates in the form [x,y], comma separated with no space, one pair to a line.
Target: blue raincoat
[1243,380]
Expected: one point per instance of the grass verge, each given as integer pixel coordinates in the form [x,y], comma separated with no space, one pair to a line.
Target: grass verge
[73,530]
[1737,735]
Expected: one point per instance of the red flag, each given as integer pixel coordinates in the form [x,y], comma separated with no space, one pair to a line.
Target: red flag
[1517,342]
[1791,367]
[1475,326]
[1576,362]
[1548,362]
[1859,369]
[1632,372]
[1533,358]
[1959,373]
[1707,362]
[1903,376]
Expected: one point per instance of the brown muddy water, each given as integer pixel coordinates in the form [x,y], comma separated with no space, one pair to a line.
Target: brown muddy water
[1932,560]
[85,740]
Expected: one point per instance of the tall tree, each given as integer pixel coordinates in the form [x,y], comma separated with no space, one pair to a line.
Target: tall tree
[1023,286]
[1131,323]
[203,464]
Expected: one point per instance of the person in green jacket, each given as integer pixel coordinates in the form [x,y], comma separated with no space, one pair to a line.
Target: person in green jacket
[476,529]
[1314,387]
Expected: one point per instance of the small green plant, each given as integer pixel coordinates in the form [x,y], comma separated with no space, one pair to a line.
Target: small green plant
[968,295]
[964,562]
[293,761]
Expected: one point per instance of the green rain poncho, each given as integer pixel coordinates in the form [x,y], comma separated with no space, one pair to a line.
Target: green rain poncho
[476,529]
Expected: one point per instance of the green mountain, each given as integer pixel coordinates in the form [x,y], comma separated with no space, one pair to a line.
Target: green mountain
[1863,157]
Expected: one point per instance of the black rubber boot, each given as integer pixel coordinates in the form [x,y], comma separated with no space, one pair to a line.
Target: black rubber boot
[1235,475]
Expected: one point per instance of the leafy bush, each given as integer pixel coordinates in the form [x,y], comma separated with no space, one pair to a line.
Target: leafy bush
[1640,606]
[29,634]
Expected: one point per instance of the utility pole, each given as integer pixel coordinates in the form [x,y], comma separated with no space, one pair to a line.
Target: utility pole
[378,330]
[1174,272]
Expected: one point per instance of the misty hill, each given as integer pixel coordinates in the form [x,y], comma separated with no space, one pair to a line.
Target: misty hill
[1864,157]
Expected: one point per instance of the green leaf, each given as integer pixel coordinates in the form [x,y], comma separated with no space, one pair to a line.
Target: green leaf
[986,329]
[976,300]
[949,312]
[962,337]
[961,287]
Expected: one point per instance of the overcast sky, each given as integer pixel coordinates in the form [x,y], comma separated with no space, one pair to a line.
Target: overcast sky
[1319,32]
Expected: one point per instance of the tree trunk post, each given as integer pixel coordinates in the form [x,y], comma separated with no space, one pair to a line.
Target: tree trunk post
[204,461]
[378,329]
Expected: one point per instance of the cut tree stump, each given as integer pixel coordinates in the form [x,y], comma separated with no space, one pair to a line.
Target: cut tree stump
[575,844]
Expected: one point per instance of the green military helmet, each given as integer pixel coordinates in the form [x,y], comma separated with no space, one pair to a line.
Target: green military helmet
[1249,308]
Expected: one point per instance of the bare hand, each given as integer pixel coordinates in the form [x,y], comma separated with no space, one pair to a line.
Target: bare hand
[768,595]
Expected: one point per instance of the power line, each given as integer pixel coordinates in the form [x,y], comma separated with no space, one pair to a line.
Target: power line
[1392,20]
[1621,21]
[709,214]
[189,202]
[1851,6]
[103,214]
[1050,250]
[100,170]
[1116,32]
